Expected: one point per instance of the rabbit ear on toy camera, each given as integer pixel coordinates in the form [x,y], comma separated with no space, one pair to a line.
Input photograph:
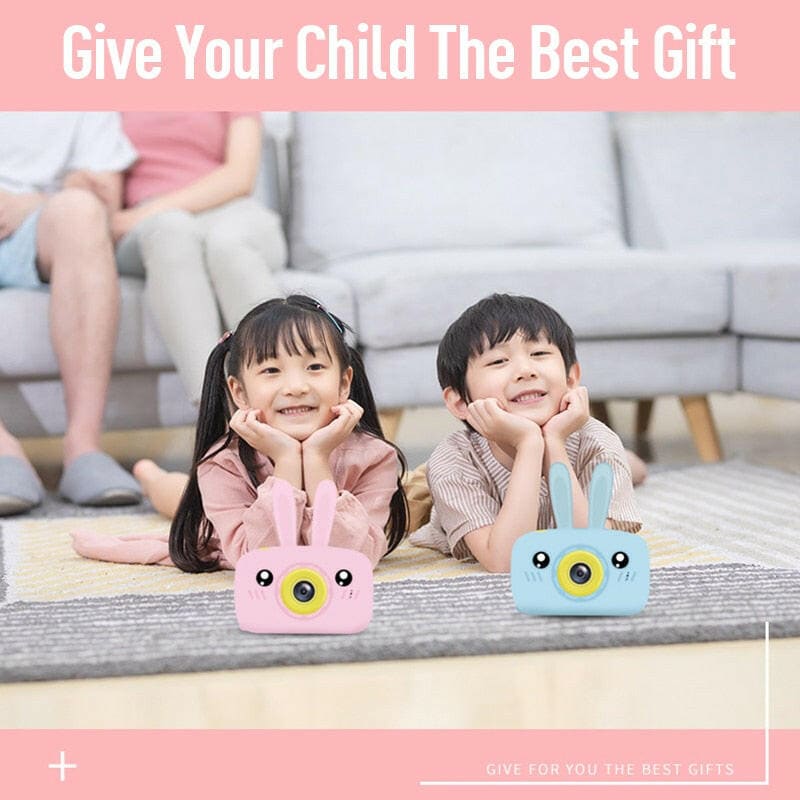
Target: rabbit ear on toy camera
[324,511]
[285,514]
[561,494]
[600,490]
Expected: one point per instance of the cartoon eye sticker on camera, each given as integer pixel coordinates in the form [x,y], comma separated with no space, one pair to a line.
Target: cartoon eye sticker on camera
[590,571]
[313,588]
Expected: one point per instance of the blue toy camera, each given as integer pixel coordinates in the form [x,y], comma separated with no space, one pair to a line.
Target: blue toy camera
[578,572]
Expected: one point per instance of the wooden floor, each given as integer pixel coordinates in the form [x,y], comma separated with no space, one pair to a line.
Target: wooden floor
[715,685]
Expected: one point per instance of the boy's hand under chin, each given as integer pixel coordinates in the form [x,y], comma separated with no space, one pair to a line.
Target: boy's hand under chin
[507,430]
[325,440]
[573,414]
[248,424]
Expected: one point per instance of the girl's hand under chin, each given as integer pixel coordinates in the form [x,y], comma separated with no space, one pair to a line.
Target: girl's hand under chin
[248,424]
[325,440]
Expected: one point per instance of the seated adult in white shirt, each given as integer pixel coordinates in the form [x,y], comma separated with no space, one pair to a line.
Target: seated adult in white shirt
[60,177]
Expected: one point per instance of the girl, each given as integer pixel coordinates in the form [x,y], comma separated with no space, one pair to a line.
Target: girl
[304,412]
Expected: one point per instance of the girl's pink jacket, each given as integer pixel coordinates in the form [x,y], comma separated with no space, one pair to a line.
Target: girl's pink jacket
[365,470]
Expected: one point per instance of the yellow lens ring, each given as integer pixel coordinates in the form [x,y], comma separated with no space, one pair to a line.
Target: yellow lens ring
[316,603]
[577,589]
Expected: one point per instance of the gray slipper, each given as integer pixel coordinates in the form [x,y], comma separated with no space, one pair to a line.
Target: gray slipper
[20,487]
[95,479]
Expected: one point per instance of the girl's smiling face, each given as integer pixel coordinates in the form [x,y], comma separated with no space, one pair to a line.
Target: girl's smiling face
[295,391]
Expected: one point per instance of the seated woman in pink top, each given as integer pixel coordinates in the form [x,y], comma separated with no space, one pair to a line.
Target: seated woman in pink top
[304,413]
[191,227]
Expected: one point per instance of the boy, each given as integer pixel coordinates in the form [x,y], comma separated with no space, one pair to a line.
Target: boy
[508,369]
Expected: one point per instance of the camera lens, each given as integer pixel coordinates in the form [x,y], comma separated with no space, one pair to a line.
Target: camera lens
[303,591]
[580,573]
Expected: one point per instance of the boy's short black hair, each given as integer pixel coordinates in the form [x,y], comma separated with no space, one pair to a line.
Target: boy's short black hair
[493,320]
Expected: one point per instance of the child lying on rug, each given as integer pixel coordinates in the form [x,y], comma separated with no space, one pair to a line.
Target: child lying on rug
[508,369]
[304,413]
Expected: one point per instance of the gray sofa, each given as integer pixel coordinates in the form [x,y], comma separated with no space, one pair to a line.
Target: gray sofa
[671,243]
[724,190]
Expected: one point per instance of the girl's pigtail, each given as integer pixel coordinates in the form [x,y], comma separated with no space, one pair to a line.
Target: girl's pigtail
[190,530]
[361,393]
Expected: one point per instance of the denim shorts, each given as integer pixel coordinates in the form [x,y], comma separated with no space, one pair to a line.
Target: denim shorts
[18,256]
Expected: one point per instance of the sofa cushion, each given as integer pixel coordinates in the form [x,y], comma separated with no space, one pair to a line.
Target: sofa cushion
[409,298]
[771,366]
[765,301]
[24,318]
[692,178]
[765,283]
[369,182]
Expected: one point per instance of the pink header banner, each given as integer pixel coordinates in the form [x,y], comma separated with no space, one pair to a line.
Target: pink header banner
[449,55]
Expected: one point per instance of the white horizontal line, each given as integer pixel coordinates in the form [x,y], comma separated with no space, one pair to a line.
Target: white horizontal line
[594,783]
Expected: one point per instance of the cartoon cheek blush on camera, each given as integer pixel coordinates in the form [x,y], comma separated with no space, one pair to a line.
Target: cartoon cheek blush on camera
[303,588]
[577,572]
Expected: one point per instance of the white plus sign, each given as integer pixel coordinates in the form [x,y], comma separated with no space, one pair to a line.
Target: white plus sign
[62,766]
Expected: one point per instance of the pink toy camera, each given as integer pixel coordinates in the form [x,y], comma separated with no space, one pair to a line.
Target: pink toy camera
[303,588]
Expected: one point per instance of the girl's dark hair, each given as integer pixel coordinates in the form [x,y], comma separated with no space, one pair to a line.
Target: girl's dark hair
[291,324]
[493,320]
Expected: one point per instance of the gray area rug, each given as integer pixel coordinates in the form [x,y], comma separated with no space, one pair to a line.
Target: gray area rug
[754,532]
[475,615]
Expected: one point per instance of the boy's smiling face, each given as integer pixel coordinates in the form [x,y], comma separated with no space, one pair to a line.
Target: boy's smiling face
[527,377]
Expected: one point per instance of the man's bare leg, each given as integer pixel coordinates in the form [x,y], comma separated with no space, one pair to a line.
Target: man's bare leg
[76,257]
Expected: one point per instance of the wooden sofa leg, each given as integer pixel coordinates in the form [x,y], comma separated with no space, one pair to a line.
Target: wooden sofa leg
[599,410]
[390,421]
[644,410]
[701,425]
[642,446]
